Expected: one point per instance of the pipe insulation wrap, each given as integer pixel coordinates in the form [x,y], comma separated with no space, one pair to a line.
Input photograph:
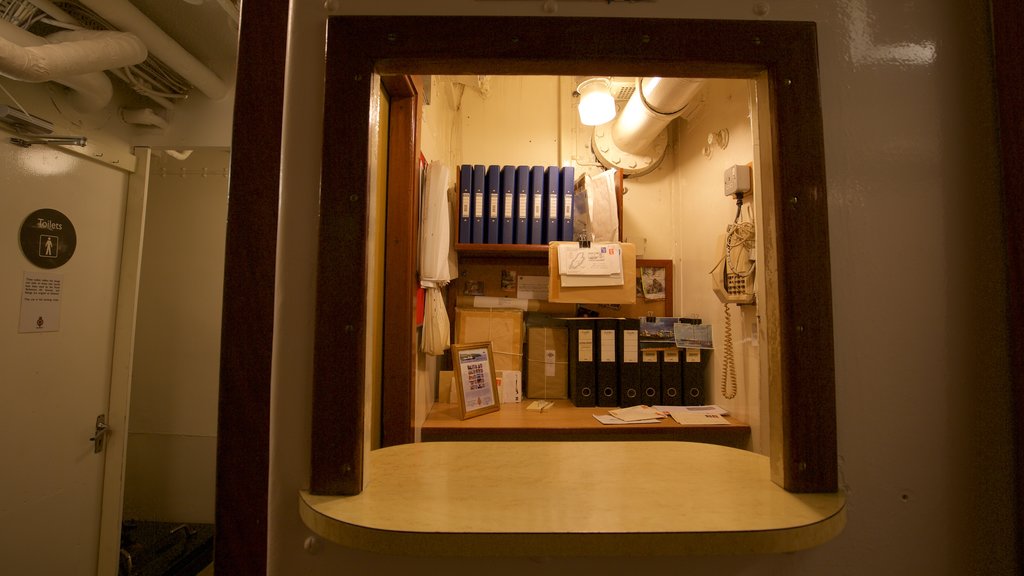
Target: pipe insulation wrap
[91,91]
[78,52]
[128,18]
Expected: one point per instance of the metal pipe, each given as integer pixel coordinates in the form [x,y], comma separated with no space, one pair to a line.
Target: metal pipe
[655,103]
[128,18]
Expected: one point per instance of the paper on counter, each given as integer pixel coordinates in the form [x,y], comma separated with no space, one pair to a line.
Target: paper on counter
[609,419]
[540,405]
[635,413]
[709,409]
[699,419]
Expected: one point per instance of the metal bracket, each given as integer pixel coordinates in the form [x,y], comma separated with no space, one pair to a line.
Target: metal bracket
[59,140]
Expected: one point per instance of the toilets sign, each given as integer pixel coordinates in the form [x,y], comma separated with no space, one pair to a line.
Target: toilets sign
[47,238]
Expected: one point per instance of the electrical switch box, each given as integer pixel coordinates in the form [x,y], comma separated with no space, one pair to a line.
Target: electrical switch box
[737,179]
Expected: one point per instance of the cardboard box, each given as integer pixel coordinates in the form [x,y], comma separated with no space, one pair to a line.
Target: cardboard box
[445,378]
[547,358]
[502,328]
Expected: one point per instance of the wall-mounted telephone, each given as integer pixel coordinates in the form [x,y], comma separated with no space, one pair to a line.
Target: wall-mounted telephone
[732,279]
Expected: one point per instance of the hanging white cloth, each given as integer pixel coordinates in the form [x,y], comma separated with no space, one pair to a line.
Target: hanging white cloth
[436,326]
[435,272]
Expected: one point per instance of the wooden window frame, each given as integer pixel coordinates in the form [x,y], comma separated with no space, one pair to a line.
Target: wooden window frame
[363,48]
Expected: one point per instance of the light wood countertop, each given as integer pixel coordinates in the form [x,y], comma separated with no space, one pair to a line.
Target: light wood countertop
[572,499]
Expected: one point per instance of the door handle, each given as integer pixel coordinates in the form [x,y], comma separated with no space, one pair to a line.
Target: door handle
[100,435]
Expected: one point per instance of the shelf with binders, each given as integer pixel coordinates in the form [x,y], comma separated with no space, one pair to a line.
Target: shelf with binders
[513,217]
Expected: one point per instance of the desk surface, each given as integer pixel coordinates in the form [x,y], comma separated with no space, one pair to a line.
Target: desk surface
[572,499]
[564,421]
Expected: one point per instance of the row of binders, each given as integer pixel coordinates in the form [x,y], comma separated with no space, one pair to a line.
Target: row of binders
[607,367]
[515,204]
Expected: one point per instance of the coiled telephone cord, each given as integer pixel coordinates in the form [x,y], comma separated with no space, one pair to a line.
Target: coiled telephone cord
[728,362]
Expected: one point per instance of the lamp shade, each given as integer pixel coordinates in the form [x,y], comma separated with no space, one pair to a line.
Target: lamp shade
[596,103]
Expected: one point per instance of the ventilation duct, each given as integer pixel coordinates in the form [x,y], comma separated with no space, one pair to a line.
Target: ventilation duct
[75,52]
[30,58]
[635,141]
[126,17]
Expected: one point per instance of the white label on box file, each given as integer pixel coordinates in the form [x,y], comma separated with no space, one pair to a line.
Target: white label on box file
[607,345]
[537,207]
[508,206]
[693,354]
[494,206]
[630,347]
[479,211]
[672,356]
[522,206]
[465,205]
[553,206]
[586,351]
[650,355]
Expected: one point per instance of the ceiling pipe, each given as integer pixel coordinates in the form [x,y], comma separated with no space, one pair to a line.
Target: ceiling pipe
[125,16]
[635,141]
[53,11]
[91,91]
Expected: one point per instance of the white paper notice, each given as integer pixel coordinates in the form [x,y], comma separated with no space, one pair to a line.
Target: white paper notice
[532,288]
[40,302]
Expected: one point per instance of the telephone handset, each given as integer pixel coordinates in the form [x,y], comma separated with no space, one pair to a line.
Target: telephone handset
[733,277]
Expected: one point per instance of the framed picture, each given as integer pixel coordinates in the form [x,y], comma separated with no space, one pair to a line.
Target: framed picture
[475,383]
[653,290]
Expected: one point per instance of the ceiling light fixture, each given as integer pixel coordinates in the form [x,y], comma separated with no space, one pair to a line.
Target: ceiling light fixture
[597,106]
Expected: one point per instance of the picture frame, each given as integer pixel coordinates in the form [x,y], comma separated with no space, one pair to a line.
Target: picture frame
[653,290]
[475,382]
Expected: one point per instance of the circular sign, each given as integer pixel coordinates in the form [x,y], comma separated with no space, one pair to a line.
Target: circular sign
[47,238]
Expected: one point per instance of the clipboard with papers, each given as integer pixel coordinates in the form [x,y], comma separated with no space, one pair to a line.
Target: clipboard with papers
[593,274]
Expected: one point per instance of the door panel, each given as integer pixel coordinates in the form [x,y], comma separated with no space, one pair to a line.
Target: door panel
[54,384]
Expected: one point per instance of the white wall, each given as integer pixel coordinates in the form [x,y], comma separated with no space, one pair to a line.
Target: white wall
[172,440]
[702,212]
[921,369]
